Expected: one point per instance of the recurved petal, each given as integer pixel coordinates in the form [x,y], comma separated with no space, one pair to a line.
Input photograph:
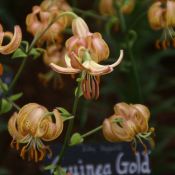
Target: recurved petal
[143,110]
[64,70]
[14,43]
[12,127]
[96,69]
[107,132]
[23,126]
[122,109]
[123,131]
[54,129]
[99,48]
[118,61]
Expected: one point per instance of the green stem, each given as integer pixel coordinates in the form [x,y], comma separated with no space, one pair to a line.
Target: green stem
[130,52]
[92,131]
[15,79]
[89,13]
[35,40]
[119,120]
[70,125]
[13,104]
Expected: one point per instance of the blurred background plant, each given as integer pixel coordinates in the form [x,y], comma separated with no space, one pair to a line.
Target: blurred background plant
[155,78]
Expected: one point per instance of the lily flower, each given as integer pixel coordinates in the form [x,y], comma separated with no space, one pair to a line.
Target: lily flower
[32,125]
[15,40]
[161,16]
[92,71]
[42,15]
[133,125]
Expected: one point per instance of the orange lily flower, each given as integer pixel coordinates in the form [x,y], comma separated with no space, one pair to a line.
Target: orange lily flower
[30,126]
[133,125]
[84,51]
[43,14]
[161,15]
[15,40]
[92,71]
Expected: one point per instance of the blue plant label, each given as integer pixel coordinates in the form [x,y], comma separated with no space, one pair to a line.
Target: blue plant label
[105,159]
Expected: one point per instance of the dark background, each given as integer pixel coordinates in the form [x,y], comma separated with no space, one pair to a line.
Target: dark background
[156,74]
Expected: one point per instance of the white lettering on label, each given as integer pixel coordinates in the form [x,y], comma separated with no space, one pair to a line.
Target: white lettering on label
[124,167]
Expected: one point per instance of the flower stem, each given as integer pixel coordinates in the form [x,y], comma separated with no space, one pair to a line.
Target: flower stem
[119,120]
[89,13]
[92,131]
[70,125]
[130,52]
[15,79]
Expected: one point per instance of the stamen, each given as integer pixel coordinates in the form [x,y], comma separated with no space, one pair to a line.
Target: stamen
[157,44]
[90,86]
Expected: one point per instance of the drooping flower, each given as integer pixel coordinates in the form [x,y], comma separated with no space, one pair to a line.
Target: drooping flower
[84,51]
[161,16]
[30,127]
[133,124]
[14,43]
[91,70]
[106,7]
[42,15]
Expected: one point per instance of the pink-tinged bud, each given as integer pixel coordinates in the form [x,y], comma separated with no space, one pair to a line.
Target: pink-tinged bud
[80,28]
[98,48]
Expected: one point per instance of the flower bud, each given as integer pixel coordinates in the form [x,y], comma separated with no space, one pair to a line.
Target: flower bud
[80,28]
[98,48]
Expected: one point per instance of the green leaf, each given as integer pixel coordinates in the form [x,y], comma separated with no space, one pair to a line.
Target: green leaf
[76,139]
[3,87]
[64,112]
[59,171]
[50,167]
[19,53]
[16,96]
[5,106]
[36,52]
